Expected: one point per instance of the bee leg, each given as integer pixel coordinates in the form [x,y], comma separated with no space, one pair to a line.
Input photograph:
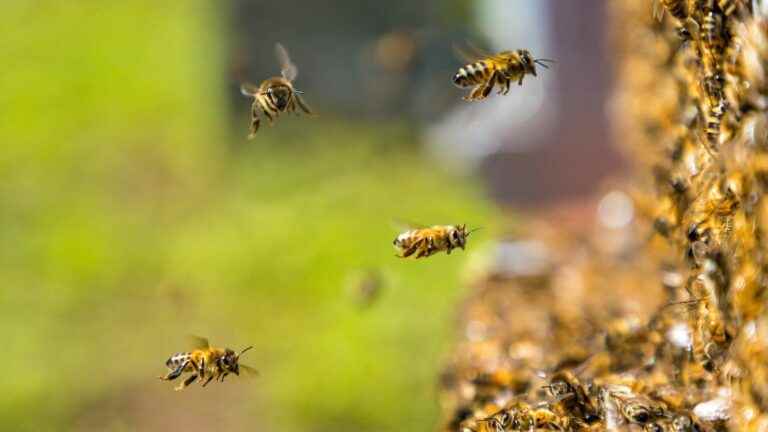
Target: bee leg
[503,83]
[489,84]
[303,105]
[269,116]
[224,375]
[175,373]
[208,380]
[408,252]
[186,382]
[473,95]
[255,119]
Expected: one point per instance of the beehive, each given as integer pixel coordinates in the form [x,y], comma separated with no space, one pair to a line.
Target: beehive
[660,324]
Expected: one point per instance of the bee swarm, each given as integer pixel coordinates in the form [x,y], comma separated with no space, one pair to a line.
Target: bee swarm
[660,325]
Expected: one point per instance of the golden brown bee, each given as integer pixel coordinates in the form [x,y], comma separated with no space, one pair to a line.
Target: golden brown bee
[521,416]
[575,397]
[205,364]
[632,407]
[275,95]
[730,6]
[487,70]
[679,11]
[423,242]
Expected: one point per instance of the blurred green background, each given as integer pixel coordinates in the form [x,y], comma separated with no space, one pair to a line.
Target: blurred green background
[133,212]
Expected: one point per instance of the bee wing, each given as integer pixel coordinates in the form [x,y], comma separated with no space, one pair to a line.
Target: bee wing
[405,225]
[198,342]
[658,10]
[471,53]
[287,68]
[248,89]
[249,370]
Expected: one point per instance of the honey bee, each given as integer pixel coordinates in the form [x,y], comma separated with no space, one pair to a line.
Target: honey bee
[573,396]
[632,407]
[423,242]
[488,70]
[521,416]
[275,95]
[730,6]
[686,26]
[205,363]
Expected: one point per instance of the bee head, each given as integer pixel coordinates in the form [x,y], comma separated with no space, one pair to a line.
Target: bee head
[229,362]
[232,361]
[527,61]
[280,95]
[458,236]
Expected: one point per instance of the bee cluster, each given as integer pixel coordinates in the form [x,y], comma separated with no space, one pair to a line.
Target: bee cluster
[661,325]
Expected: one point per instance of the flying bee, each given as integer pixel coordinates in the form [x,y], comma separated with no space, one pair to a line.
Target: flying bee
[488,70]
[275,95]
[423,242]
[205,363]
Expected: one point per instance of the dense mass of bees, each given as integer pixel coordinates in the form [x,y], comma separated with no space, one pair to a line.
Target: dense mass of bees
[661,324]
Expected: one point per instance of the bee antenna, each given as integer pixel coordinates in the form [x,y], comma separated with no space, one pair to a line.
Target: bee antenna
[244,350]
[298,91]
[473,230]
[543,62]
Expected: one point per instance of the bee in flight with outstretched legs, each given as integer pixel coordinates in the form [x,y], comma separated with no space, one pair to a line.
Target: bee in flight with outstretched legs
[275,95]
[488,70]
[205,364]
[423,242]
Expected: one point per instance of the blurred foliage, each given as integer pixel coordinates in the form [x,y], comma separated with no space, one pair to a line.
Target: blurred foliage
[128,220]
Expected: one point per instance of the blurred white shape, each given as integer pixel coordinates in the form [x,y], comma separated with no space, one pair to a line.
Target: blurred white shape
[615,210]
[476,331]
[760,7]
[672,279]
[750,330]
[521,258]
[716,409]
[680,335]
[475,130]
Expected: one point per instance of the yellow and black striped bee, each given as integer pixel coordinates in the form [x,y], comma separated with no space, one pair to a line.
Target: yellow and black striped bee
[729,7]
[205,364]
[487,70]
[686,27]
[275,95]
[423,242]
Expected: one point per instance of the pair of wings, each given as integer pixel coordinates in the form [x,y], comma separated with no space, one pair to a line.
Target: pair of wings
[288,70]
[472,53]
[199,342]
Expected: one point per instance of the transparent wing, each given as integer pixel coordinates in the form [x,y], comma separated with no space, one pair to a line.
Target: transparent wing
[198,342]
[248,89]
[658,10]
[251,372]
[471,53]
[405,225]
[287,68]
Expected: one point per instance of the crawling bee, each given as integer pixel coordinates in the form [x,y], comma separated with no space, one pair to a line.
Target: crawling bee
[729,7]
[275,95]
[686,26]
[205,364]
[487,70]
[423,242]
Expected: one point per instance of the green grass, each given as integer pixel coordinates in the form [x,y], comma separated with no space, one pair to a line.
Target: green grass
[128,221]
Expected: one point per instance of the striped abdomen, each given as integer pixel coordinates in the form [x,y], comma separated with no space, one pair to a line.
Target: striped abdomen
[676,8]
[472,74]
[177,360]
